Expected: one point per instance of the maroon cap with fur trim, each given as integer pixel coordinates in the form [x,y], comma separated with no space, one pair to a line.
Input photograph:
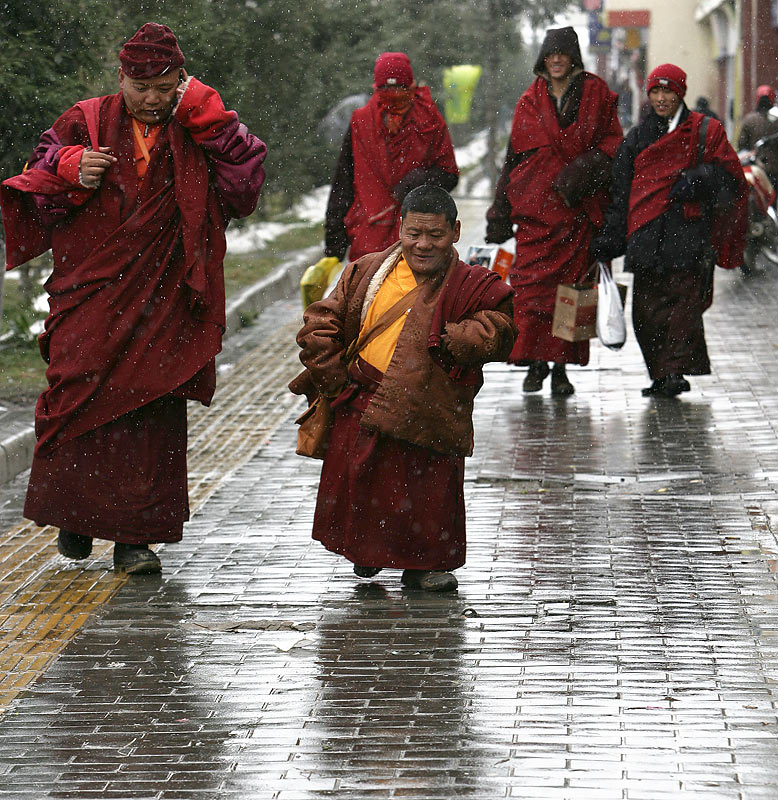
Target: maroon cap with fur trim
[152,51]
[667,76]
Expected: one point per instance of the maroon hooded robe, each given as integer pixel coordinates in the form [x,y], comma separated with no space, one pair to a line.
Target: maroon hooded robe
[136,307]
[552,237]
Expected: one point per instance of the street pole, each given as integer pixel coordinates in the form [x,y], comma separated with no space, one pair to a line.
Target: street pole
[492,67]
[2,274]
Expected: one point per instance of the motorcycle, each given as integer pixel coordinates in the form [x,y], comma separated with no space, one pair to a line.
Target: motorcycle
[762,232]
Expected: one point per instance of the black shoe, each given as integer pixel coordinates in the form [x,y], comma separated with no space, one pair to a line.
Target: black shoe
[74,545]
[538,370]
[366,572]
[560,383]
[656,388]
[429,580]
[135,559]
[674,385]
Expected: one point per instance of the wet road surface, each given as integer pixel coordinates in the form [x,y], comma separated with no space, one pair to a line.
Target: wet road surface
[614,635]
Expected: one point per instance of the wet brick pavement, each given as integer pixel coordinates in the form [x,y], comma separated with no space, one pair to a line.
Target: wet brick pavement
[614,635]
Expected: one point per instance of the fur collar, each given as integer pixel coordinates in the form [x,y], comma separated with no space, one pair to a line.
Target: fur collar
[388,264]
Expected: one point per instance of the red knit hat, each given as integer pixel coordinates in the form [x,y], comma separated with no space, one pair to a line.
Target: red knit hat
[152,51]
[668,76]
[392,69]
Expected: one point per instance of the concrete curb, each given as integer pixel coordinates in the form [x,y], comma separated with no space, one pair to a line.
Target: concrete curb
[17,435]
[16,449]
[283,282]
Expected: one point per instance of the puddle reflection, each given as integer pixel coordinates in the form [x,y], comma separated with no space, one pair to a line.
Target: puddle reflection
[676,434]
[122,713]
[556,437]
[394,709]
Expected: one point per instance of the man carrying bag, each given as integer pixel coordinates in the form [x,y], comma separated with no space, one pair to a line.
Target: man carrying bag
[678,205]
[391,490]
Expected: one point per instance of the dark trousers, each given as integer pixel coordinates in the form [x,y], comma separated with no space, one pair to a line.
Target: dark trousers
[667,314]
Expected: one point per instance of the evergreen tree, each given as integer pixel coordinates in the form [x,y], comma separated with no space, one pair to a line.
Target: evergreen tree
[281,66]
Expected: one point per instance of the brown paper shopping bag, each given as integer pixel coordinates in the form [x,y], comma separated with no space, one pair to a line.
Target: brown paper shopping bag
[575,312]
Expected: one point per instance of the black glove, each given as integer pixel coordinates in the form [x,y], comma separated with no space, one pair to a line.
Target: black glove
[416,177]
[604,248]
[569,183]
[583,177]
[498,231]
[694,184]
[682,190]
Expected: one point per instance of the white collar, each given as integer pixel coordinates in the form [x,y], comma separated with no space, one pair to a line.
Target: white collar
[674,121]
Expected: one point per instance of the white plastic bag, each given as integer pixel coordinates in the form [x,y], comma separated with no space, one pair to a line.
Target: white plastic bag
[611,330]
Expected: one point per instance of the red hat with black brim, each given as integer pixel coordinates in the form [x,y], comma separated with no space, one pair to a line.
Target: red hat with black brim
[667,76]
[767,91]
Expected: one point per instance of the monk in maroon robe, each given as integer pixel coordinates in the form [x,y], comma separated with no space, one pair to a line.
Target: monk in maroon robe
[132,192]
[391,491]
[396,142]
[553,189]
[679,206]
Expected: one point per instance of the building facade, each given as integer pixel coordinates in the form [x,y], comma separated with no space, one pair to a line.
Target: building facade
[726,47]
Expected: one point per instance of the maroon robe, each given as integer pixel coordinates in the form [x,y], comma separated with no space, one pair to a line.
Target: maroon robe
[382,160]
[391,491]
[136,309]
[552,239]
[384,502]
[657,168]
[667,319]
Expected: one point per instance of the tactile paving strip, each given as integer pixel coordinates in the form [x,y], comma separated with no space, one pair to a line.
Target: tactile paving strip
[46,599]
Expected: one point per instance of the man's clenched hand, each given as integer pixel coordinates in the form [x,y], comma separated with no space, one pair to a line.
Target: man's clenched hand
[92,166]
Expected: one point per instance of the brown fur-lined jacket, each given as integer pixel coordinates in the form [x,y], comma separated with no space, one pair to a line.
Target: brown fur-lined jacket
[461,319]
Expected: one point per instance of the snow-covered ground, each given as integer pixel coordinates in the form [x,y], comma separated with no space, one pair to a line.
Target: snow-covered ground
[255,237]
[473,152]
[248,238]
[312,206]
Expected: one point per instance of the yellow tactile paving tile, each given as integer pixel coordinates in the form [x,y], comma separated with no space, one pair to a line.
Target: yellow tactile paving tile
[45,600]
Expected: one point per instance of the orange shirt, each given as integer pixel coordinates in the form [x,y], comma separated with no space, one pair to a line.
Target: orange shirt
[397,284]
[144,138]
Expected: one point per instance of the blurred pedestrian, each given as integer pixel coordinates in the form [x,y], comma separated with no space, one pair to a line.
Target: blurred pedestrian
[678,206]
[553,189]
[391,491]
[759,124]
[396,142]
[133,192]
[702,106]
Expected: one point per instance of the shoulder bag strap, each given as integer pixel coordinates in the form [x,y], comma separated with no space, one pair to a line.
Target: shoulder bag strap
[386,319]
[709,266]
[391,315]
[703,136]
